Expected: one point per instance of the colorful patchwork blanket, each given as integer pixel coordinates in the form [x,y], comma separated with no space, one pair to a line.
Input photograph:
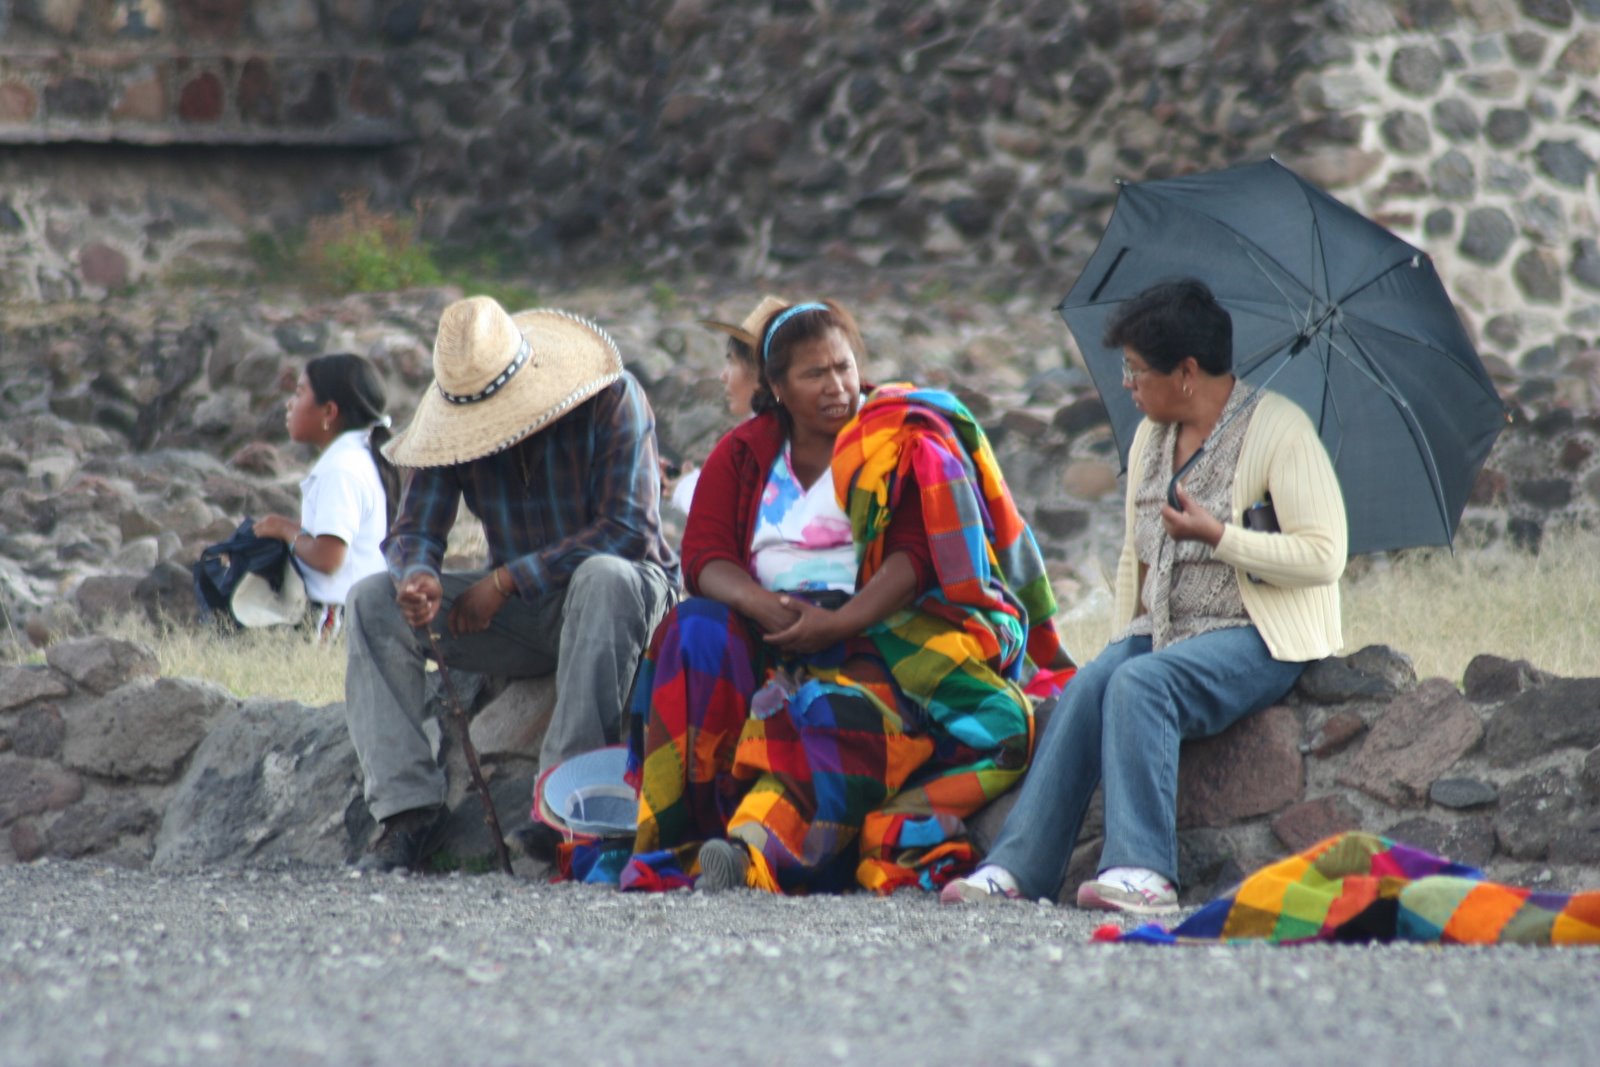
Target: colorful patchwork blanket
[960,652]
[985,554]
[1362,887]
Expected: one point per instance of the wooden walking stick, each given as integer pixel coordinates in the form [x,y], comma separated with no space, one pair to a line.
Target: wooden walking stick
[458,715]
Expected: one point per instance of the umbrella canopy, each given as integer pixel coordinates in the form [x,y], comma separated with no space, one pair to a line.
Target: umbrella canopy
[1334,311]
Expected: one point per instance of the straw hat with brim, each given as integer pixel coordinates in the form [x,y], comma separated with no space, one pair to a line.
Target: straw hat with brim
[589,795]
[499,377]
[749,331]
[255,603]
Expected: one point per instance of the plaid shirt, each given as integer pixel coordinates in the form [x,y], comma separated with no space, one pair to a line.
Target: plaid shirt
[587,484]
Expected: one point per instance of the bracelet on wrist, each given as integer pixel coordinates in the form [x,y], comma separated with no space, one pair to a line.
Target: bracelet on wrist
[495,574]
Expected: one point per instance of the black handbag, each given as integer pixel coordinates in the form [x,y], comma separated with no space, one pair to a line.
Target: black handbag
[223,566]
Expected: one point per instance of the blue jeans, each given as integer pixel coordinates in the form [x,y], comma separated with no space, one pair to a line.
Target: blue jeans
[1121,718]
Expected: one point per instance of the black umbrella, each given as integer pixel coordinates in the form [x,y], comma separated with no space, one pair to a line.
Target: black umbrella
[1335,312]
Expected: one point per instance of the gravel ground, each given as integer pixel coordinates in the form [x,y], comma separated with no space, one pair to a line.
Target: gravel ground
[106,966]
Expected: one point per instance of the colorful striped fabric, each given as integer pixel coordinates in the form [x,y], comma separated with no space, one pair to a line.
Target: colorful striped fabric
[1362,887]
[871,760]
[985,554]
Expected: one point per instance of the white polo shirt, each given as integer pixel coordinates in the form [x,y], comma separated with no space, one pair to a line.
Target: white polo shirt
[343,497]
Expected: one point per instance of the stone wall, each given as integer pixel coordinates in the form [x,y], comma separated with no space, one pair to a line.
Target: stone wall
[99,759]
[751,139]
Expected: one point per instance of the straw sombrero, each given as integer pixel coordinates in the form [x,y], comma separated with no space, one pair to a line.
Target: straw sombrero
[749,331]
[499,377]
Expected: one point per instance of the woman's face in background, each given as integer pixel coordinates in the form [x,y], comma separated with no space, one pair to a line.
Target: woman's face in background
[739,379]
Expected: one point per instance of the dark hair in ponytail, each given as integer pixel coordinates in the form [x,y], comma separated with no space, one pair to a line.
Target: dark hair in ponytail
[355,385]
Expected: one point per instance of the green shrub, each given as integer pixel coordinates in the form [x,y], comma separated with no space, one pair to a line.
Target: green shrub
[360,250]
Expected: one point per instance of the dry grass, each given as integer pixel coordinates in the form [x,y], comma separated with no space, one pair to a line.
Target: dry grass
[1442,610]
[276,662]
[1439,609]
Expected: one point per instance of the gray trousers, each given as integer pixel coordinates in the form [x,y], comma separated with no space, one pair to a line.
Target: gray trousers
[590,636]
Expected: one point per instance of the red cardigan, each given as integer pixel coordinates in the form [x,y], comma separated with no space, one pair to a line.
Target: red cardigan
[727,501]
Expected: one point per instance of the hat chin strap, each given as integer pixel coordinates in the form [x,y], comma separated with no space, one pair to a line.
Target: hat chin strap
[518,361]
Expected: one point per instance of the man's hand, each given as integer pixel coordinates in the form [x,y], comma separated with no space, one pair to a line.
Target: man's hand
[813,631]
[476,607]
[1190,521]
[418,597]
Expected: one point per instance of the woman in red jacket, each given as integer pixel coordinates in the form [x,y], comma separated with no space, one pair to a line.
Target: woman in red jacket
[790,725]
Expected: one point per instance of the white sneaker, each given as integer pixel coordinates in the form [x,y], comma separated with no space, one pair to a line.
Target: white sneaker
[985,885]
[1130,889]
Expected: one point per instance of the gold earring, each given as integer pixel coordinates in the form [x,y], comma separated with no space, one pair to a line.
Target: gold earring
[324,425]
[1187,391]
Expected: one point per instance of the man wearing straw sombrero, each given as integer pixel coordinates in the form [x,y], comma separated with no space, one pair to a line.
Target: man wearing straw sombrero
[533,423]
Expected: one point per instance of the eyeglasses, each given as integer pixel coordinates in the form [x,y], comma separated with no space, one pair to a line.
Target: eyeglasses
[1131,374]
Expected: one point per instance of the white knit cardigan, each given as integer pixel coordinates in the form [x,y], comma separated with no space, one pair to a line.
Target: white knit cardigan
[1295,605]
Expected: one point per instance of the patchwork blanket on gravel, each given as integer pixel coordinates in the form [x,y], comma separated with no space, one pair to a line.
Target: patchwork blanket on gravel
[1362,887]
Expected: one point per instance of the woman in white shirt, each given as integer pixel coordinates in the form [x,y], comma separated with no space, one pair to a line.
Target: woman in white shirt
[347,501]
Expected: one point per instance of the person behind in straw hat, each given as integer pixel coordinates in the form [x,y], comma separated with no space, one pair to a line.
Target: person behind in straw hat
[741,377]
[532,421]
[348,499]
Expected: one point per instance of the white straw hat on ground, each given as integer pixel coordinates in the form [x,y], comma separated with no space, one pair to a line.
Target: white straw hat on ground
[499,377]
[749,331]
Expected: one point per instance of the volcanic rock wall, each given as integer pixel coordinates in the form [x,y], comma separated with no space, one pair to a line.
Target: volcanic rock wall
[689,135]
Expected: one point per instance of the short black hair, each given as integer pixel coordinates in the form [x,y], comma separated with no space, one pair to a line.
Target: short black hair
[1171,321]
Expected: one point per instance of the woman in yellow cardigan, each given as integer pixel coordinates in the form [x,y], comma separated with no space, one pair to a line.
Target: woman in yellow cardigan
[1214,620]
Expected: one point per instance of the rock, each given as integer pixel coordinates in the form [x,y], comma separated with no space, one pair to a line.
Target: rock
[273,781]
[101,664]
[1456,119]
[1055,523]
[97,827]
[1582,55]
[1589,775]
[1564,162]
[513,723]
[1557,13]
[100,598]
[39,732]
[27,843]
[1462,793]
[1468,841]
[1089,479]
[143,731]
[1562,713]
[32,787]
[1586,263]
[1423,734]
[1251,768]
[1306,823]
[1453,176]
[20,686]
[1533,811]
[1538,275]
[1502,176]
[463,839]
[1543,219]
[1028,425]
[102,265]
[167,595]
[1440,222]
[1491,679]
[1082,414]
[1373,673]
[1406,132]
[1336,731]
[1487,235]
[1507,127]
[1416,69]
[301,338]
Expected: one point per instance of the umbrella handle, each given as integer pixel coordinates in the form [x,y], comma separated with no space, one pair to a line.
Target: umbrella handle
[1172,486]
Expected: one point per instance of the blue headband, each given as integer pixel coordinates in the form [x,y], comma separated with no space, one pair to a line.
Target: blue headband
[784,316]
